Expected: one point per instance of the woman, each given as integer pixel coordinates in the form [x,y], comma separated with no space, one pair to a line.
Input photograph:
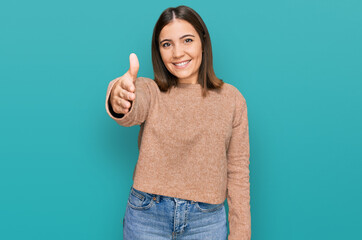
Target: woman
[193,141]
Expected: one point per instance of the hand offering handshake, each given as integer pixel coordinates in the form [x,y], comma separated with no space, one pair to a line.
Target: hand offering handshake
[123,91]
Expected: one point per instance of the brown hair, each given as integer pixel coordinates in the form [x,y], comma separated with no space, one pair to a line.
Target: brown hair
[164,79]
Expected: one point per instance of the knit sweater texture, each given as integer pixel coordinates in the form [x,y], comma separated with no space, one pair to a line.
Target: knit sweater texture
[192,147]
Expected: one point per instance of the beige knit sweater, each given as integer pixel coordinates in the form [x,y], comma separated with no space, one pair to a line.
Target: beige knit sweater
[192,148]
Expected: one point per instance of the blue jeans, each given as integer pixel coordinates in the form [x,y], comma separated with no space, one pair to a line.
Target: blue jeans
[157,217]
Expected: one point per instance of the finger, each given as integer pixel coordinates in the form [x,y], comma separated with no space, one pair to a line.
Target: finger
[127,84]
[123,103]
[121,110]
[120,105]
[127,95]
[133,66]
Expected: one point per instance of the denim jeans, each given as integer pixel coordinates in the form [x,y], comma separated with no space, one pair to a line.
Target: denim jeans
[157,217]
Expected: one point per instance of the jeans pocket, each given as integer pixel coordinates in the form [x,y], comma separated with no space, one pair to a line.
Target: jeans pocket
[139,200]
[208,207]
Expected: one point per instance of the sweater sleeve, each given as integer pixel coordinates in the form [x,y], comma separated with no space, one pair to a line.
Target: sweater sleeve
[139,106]
[238,185]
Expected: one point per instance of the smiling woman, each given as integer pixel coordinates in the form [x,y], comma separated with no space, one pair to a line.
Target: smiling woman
[193,150]
[181,55]
[181,50]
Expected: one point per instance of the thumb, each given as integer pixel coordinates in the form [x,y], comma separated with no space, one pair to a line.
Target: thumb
[133,66]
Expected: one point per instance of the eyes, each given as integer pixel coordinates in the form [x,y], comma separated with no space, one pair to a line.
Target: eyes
[187,40]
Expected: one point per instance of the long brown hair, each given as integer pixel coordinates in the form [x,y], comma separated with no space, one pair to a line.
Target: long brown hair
[164,79]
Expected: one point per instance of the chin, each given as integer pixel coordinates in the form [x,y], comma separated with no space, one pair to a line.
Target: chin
[182,76]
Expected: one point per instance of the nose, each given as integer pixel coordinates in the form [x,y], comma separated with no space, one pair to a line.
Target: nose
[177,51]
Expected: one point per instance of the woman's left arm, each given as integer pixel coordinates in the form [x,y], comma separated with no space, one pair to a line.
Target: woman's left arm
[238,185]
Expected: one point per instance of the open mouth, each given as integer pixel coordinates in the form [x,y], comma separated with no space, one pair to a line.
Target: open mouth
[182,64]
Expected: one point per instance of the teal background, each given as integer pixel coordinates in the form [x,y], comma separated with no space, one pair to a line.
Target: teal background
[66,167]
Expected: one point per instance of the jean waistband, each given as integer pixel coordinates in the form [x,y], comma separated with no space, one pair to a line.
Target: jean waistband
[158,197]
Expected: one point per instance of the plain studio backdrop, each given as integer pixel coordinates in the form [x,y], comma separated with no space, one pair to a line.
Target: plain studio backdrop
[66,167]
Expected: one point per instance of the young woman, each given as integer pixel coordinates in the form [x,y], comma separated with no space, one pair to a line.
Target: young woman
[193,140]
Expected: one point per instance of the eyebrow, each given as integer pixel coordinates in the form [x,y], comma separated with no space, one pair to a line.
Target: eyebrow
[186,35]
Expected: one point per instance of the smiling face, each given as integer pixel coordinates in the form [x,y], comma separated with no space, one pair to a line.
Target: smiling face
[181,50]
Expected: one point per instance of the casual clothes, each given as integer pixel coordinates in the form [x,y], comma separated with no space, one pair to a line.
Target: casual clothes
[192,147]
[157,217]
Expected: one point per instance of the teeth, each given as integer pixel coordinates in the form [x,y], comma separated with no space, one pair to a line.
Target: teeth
[181,64]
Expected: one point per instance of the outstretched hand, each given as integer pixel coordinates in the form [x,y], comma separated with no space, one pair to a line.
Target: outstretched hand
[123,91]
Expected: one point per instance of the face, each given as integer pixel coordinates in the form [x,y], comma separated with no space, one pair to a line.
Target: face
[181,50]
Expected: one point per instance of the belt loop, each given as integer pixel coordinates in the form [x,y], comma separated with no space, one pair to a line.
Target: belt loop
[158,198]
